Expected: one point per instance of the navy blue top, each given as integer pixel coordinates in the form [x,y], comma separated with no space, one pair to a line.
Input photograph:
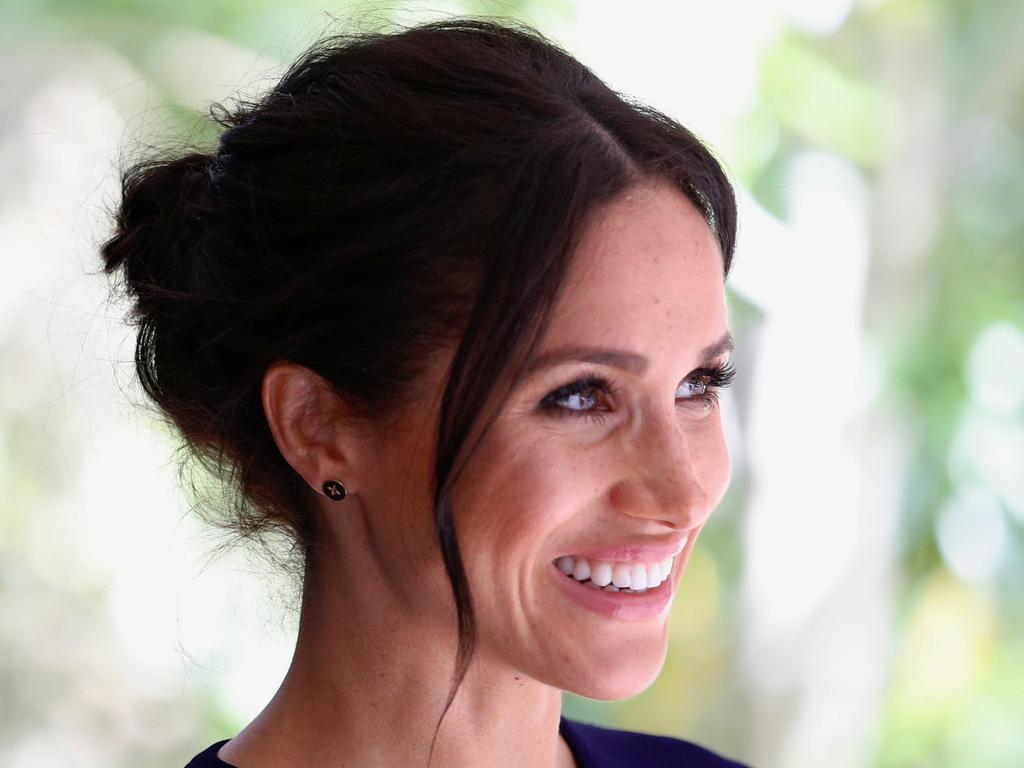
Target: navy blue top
[592,746]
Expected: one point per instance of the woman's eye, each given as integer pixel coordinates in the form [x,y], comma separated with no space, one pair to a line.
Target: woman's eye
[579,398]
[705,384]
[588,397]
[700,390]
[694,388]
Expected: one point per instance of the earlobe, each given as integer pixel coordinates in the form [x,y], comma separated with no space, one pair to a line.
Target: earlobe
[303,416]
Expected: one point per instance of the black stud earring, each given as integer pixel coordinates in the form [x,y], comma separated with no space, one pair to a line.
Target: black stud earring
[334,490]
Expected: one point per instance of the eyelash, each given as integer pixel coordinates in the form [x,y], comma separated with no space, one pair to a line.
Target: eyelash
[715,379]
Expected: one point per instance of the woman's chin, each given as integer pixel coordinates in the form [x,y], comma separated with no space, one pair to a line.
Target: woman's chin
[618,688]
[616,676]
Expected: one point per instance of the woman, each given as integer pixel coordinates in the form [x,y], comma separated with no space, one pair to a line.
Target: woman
[450,314]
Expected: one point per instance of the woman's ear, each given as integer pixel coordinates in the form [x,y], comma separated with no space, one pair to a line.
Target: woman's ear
[313,430]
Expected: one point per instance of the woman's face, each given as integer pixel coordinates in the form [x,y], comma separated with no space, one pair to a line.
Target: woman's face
[623,471]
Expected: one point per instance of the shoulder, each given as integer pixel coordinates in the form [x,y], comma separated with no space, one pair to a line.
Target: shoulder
[208,757]
[599,747]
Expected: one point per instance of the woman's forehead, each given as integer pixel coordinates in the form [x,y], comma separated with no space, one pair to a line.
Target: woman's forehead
[649,260]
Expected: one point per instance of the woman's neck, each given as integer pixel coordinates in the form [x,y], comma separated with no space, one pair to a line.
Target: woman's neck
[368,682]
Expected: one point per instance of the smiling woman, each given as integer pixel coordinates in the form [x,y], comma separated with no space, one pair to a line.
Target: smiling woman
[450,313]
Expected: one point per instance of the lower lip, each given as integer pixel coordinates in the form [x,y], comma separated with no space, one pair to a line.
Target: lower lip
[627,606]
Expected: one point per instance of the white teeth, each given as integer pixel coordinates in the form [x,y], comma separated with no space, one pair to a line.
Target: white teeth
[581,571]
[654,573]
[620,575]
[613,577]
[601,574]
[638,577]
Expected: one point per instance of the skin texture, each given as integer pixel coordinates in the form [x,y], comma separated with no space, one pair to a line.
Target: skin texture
[377,636]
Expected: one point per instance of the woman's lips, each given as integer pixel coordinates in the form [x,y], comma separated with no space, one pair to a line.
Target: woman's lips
[626,606]
[632,551]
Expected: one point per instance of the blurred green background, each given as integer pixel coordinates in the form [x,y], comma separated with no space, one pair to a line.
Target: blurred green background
[857,599]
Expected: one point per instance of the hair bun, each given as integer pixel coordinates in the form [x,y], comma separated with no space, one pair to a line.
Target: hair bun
[162,205]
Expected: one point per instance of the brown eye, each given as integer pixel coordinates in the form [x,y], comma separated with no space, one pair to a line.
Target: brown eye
[695,388]
[579,397]
[706,384]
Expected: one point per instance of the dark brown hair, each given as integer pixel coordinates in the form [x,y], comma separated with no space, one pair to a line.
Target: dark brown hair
[394,192]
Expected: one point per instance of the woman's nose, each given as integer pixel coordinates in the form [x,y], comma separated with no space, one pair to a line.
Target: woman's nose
[669,481]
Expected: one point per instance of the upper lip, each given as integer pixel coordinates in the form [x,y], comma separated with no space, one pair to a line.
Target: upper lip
[632,551]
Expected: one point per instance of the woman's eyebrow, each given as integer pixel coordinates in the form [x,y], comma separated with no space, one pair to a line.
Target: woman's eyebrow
[617,358]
